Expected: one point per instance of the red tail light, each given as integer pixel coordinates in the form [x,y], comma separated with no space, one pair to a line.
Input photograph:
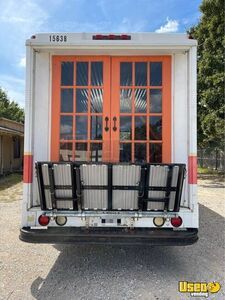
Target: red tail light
[111,37]
[176,221]
[43,220]
[98,37]
[125,37]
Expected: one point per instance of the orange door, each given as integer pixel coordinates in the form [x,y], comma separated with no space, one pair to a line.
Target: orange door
[80,108]
[111,109]
[141,109]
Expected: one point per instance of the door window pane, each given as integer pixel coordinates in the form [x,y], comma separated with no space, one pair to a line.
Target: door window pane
[125,73]
[97,73]
[155,128]
[155,101]
[125,152]
[155,153]
[81,127]
[125,100]
[140,153]
[125,128]
[140,101]
[140,73]
[82,73]
[156,73]
[96,100]
[96,128]
[140,128]
[66,127]
[81,100]
[96,152]
[66,100]
[66,151]
[81,152]
[67,73]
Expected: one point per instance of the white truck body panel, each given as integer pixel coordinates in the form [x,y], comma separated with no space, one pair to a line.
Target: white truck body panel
[38,115]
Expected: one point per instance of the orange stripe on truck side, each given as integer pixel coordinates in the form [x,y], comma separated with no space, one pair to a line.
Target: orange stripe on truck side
[28,168]
[192,169]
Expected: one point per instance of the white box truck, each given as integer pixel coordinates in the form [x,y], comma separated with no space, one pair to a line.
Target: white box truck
[110,139]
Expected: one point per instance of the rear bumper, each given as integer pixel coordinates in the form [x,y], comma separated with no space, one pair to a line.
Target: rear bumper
[137,236]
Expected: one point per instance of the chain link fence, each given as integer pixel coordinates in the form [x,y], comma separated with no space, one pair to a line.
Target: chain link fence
[211,158]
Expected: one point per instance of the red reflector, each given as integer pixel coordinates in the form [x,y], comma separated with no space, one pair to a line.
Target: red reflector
[176,222]
[43,220]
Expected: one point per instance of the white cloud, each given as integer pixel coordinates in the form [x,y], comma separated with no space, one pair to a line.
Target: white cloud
[14,87]
[170,26]
[26,15]
[22,62]
[19,20]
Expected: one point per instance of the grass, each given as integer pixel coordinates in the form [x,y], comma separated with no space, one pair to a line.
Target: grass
[209,171]
[9,180]
[205,173]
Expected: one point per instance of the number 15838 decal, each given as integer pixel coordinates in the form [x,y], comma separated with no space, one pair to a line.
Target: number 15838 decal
[58,38]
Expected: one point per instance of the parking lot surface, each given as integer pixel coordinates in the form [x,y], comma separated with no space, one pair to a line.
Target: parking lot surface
[36,271]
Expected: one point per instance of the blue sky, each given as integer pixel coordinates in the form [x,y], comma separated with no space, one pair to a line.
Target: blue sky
[19,19]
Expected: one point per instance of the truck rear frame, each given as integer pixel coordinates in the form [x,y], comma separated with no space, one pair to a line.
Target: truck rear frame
[133,195]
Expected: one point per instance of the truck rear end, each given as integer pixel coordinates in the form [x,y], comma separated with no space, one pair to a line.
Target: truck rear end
[110,139]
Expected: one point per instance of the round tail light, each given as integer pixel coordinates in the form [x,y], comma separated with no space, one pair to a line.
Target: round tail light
[61,220]
[159,221]
[43,220]
[176,221]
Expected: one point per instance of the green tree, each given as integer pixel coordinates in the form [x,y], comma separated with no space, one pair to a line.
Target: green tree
[10,109]
[211,106]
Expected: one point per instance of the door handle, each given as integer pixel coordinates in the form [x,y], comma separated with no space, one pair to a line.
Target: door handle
[114,126]
[106,124]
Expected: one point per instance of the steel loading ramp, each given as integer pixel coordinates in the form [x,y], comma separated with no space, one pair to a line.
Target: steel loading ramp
[110,187]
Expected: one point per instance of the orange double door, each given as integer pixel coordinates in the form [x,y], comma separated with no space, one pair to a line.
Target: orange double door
[111,109]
